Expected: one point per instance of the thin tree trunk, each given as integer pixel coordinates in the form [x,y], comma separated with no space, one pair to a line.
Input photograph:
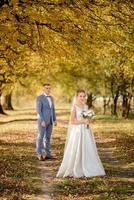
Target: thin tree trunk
[8,102]
[105,104]
[1,108]
[129,106]
[115,105]
[115,101]
[124,105]
[90,100]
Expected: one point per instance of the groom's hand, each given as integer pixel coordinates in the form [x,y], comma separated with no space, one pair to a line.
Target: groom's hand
[43,124]
[55,123]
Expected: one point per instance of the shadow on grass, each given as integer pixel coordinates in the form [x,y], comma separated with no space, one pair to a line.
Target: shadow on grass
[67,112]
[19,171]
[18,120]
[113,119]
[63,112]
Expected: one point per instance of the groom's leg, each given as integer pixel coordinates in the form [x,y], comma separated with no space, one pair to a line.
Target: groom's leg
[39,143]
[47,139]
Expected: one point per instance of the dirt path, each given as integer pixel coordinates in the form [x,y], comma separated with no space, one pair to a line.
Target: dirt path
[48,172]
[47,177]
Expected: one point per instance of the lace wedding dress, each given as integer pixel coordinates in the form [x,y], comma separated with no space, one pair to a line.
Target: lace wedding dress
[80,155]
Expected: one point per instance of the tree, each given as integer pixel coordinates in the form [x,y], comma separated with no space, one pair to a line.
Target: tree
[79,39]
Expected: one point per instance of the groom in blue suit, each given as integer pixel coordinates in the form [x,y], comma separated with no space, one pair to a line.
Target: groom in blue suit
[46,119]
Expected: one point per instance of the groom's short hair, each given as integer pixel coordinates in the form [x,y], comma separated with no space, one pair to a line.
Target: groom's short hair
[46,84]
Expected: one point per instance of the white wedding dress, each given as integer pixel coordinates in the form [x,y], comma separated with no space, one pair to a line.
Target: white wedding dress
[80,155]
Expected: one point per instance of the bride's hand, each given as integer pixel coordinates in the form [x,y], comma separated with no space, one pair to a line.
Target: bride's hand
[86,121]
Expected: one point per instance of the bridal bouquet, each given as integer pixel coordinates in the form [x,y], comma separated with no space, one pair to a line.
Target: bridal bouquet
[88,114]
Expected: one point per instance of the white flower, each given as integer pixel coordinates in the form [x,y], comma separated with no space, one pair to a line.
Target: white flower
[88,114]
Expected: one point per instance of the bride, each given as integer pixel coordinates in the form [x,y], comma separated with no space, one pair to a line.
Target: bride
[80,155]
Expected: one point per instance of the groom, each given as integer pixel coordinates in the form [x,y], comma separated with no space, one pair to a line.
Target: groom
[46,119]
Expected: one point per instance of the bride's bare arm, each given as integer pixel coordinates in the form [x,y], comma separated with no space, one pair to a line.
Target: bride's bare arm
[74,120]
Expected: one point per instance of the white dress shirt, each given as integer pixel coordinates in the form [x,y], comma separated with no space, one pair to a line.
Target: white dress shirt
[49,100]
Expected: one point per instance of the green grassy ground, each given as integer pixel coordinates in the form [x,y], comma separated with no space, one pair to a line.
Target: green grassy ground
[20,177]
[21,172]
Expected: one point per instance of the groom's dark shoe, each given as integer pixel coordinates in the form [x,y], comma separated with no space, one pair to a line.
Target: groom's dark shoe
[49,157]
[41,158]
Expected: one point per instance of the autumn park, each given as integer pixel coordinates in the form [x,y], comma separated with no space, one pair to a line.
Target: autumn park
[71,44]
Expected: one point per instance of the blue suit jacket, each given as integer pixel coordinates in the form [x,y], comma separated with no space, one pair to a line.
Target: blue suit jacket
[45,113]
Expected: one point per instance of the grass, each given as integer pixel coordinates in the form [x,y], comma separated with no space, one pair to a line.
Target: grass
[20,177]
[114,139]
[20,171]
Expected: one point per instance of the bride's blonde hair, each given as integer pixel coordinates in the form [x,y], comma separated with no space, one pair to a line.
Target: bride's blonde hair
[80,91]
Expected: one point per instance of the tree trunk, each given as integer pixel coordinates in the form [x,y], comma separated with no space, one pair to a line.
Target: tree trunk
[8,102]
[115,96]
[105,104]
[115,105]
[1,108]
[115,101]
[128,106]
[90,100]
[124,105]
